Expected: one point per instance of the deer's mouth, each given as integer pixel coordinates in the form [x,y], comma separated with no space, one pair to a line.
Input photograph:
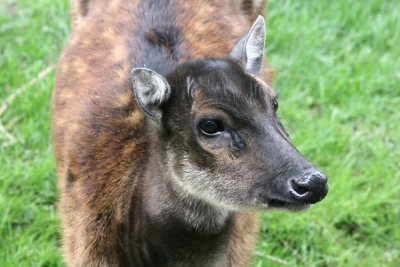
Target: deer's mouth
[285,205]
[269,200]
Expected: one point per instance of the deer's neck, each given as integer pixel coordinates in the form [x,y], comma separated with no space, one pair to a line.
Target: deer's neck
[170,227]
[168,200]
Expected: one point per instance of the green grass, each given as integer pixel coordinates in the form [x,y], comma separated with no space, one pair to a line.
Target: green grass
[338,76]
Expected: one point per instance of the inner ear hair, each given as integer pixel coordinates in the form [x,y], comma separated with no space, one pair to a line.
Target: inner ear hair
[151,91]
[249,51]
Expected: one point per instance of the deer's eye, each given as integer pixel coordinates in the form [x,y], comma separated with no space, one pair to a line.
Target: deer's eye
[210,127]
[275,104]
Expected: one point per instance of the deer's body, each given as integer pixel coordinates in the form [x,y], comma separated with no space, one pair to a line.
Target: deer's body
[123,202]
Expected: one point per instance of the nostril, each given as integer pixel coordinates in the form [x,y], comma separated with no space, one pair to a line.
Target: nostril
[310,188]
[298,188]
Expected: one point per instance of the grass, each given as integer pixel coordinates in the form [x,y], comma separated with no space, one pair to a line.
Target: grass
[338,66]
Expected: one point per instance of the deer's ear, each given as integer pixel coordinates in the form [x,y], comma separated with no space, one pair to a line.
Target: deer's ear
[151,91]
[250,49]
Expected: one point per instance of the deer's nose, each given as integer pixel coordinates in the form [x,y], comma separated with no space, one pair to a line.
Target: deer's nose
[310,188]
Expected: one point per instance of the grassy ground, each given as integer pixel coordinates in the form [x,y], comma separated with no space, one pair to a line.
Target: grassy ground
[338,76]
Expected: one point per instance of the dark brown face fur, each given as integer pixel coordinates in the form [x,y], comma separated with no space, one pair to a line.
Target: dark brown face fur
[223,141]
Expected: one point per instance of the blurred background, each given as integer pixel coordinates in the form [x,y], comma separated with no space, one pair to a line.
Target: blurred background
[338,76]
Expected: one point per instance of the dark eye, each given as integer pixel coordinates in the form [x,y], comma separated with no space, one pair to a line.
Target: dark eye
[210,126]
[275,104]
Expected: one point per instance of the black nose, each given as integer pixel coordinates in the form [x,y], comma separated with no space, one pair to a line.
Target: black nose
[310,188]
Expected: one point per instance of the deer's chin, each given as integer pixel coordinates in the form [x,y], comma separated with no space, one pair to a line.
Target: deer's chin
[277,204]
[288,206]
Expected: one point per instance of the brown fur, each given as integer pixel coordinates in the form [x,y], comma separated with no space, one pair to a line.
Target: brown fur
[99,130]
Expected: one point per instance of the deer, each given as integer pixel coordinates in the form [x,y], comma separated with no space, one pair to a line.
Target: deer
[166,135]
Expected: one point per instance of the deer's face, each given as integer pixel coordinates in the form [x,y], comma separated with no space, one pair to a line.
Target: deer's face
[226,145]
[222,141]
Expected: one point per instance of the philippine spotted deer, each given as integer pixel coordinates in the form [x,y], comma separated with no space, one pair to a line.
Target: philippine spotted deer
[166,139]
